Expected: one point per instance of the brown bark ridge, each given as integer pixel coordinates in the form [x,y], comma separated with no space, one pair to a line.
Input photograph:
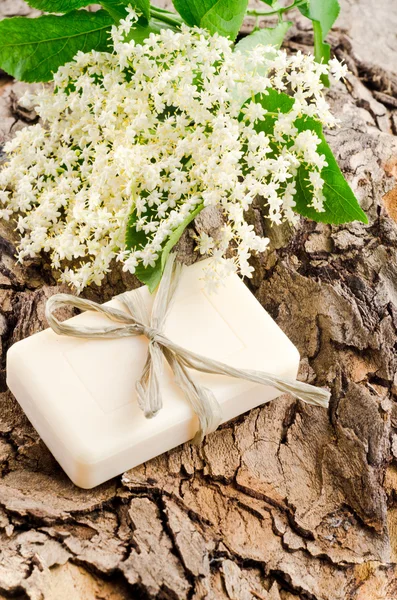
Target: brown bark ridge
[288,501]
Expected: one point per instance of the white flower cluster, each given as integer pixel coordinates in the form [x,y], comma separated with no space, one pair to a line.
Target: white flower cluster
[140,138]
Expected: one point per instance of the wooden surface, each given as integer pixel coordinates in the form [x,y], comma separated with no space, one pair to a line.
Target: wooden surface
[287,502]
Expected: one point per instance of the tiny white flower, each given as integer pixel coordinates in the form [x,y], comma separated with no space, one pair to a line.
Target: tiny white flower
[254,111]
[205,243]
[338,69]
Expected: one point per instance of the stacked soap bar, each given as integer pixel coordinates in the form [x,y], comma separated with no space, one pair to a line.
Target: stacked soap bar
[80,394]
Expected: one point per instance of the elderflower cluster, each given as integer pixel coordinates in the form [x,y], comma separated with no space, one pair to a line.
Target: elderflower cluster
[134,141]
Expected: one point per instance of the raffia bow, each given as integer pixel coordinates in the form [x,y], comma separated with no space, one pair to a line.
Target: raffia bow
[137,321]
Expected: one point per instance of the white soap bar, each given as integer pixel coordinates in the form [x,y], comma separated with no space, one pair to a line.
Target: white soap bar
[80,394]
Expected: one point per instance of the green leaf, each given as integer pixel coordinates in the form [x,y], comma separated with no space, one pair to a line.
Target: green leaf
[274,102]
[340,204]
[218,16]
[142,6]
[136,239]
[266,36]
[140,31]
[323,11]
[33,49]
[117,8]
[58,6]
[166,16]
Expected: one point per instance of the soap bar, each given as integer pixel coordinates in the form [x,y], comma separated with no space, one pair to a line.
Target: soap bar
[80,394]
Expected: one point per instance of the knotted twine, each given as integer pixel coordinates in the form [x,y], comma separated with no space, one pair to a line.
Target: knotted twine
[135,320]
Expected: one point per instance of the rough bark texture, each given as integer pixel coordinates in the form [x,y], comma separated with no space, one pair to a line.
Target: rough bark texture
[288,501]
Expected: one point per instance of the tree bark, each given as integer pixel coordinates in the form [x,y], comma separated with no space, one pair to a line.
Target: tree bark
[287,501]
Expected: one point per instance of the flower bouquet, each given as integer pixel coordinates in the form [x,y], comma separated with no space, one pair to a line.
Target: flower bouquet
[136,141]
[170,118]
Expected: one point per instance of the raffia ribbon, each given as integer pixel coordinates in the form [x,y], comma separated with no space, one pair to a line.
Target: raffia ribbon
[137,321]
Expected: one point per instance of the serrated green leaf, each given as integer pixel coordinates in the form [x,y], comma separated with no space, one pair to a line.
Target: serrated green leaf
[303,5]
[140,31]
[218,16]
[33,49]
[274,102]
[143,6]
[58,6]
[137,239]
[267,36]
[117,8]
[341,205]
